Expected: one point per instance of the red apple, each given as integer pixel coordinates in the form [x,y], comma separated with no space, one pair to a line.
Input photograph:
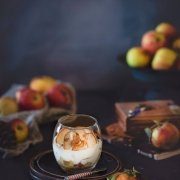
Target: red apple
[167,29]
[60,96]
[20,129]
[29,99]
[152,41]
[165,136]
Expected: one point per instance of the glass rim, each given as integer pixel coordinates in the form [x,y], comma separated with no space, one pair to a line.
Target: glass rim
[77,115]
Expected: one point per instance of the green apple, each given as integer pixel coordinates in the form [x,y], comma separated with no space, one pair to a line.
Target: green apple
[164,59]
[137,57]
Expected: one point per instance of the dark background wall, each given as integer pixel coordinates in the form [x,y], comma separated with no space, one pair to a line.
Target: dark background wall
[75,40]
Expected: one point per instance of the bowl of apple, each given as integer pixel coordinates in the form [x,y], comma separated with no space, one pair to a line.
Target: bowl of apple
[157,59]
[44,99]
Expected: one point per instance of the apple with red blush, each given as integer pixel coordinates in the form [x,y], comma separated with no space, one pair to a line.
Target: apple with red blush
[29,99]
[60,95]
[20,129]
[167,29]
[164,136]
[152,41]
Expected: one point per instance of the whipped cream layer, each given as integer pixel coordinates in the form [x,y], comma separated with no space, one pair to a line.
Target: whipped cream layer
[89,155]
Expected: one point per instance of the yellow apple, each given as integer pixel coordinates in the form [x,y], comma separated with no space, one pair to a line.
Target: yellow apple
[137,57]
[20,129]
[8,106]
[164,59]
[42,84]
[167,29]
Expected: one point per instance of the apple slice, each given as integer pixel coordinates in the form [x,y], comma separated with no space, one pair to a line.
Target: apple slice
[81,133]
[88,130]
[68,138]
[79,146]
[60,136]
[79,141]
[91,139]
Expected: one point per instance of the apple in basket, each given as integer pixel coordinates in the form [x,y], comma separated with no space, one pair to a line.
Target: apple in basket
[20,129]
[8,105]
[60,96]
[29,99]
[42,83]
[127,174]
[176,44]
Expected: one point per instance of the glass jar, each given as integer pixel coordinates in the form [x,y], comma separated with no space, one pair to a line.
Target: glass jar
[77,142]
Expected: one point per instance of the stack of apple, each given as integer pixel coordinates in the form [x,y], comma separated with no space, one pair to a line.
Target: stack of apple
[45,89]
[160,49]
[42,92]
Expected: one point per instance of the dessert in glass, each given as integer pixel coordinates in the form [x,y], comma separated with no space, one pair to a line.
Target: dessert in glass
[77,142]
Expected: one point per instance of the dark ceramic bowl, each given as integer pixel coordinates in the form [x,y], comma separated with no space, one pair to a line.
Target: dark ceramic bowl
[148,75]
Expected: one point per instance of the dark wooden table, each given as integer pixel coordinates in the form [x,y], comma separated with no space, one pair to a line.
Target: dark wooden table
[101,105]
